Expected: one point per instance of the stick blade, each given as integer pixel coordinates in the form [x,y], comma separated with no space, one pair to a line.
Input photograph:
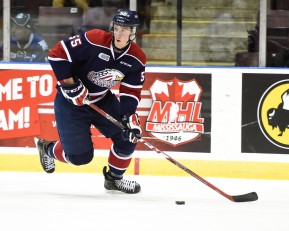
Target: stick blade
[252,196]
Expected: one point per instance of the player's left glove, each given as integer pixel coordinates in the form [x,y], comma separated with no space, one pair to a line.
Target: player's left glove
[132,131]
[75,93]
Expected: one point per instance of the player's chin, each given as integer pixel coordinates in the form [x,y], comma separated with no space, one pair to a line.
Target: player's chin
[119,45]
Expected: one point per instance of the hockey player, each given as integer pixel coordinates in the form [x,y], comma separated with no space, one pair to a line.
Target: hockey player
[87,66]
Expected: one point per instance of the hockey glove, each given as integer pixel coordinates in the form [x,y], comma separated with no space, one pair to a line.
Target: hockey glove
[75,93]
[132,131]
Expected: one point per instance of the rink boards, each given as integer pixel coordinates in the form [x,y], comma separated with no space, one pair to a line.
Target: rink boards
[219,122]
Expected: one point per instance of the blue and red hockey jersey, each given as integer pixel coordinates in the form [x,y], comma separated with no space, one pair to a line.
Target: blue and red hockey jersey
[90,57]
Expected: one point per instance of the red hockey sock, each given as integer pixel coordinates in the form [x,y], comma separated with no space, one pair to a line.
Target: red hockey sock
[118,164]
[58,152]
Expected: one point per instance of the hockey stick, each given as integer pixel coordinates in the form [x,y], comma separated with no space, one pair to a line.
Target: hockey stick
[252,196]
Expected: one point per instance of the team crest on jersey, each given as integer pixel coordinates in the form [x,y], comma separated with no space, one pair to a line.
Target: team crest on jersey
[273,114]
[174,117]
[104,57]
[106,78]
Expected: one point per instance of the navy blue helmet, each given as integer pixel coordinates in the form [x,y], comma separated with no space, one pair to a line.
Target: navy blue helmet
[125,17]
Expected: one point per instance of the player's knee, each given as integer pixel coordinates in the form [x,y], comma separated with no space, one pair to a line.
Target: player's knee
[124,151]
[121,146]
[81,159]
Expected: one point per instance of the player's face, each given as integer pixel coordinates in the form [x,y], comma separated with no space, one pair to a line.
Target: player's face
[19,33]
[121,36]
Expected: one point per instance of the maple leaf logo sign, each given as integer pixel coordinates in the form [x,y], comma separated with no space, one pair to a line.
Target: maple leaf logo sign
[174,117]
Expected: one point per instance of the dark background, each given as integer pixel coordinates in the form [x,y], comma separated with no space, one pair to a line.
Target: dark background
[253,87]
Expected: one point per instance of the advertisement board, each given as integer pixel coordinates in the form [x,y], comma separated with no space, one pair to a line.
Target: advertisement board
[219,122]
[265,113]
[175,110]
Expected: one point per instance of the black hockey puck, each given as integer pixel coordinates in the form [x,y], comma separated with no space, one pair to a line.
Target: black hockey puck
[180,202]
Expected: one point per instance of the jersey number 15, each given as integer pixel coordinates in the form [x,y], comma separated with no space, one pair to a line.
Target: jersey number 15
[75,41]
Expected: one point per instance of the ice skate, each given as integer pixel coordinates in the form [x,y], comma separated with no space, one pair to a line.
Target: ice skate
[46,161]
[121,185]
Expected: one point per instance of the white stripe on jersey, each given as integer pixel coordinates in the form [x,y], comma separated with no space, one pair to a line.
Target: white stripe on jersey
[56,59]
[98,93]
[131,86]
[66,51]
[129,95]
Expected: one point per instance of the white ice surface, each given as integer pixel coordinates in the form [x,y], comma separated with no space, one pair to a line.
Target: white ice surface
[73,201]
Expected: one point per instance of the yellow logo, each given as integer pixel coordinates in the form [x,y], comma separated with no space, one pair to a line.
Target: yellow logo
[273,114]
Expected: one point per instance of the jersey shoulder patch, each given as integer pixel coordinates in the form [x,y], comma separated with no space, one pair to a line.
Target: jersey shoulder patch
[99,37]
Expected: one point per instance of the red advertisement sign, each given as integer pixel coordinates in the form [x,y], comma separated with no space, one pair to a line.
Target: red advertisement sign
[20,93]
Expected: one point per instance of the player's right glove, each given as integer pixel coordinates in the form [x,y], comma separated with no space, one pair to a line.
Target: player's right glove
[132,130]
[75,93]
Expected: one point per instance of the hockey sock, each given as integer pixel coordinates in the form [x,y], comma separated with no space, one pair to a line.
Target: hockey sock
[118,163]
[56,151]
